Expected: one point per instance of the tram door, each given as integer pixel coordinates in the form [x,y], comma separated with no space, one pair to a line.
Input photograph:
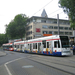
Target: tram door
[30,47]
[51,47]
[56,46]
[39,45]
[44,46]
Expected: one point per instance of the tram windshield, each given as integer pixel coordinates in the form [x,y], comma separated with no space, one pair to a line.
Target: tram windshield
[64,41]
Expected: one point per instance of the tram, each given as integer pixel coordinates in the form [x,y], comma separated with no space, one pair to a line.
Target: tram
[8,46]
[50,45]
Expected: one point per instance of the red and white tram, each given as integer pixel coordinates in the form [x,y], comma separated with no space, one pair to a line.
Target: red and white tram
[8,46]
[50,45]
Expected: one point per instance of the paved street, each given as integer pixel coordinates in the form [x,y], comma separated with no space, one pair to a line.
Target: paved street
[2,53]
[16,63]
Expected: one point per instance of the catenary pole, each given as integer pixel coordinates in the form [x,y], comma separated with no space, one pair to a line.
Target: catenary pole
[58,24]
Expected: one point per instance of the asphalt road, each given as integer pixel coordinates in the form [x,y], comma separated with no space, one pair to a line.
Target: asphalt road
[16,63]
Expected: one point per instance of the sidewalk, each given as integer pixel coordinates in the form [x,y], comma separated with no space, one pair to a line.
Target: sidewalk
[2,53]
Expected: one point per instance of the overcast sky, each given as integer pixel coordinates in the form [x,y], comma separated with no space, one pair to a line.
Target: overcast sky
[10,8]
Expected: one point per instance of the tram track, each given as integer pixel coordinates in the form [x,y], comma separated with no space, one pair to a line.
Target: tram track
[56,62]
[51,65]
[63,65]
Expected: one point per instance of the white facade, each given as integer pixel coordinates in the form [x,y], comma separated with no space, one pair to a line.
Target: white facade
[37,26]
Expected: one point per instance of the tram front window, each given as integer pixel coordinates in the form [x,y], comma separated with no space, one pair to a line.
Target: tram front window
[64,41]
[65,44]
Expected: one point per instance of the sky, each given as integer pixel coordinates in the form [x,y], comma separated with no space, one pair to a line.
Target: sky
[10,8]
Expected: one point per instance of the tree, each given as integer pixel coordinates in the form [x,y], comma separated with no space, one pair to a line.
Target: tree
[69,7]
[3,39]
[16,28]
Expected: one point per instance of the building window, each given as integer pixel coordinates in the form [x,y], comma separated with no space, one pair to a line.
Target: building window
[66,28]
[61,33]
[60,27]
[64,22]
[70,33]
[50,27]
[45,32]
[68,23]
[44,21]
[50,32]
[30,37]
[70,28]
[60,22]
[30,32]
[55,32]
[45,26]
[29,27]
[66,33]
[55,22]
[55,27]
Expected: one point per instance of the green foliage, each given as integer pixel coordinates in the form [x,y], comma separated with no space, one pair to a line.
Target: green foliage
[16,28]
[69,7]
[3,39]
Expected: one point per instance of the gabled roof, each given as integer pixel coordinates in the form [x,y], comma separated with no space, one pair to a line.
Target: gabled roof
[44,14]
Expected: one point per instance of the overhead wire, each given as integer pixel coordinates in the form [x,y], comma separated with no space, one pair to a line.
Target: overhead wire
[50,13]
[43,7]
[58,13]
[54,11]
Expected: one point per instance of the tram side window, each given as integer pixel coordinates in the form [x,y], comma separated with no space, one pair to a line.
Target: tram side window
[39,44]
[17,46]
[21,46]
[34,45]
[10,46]
[44,43]
[56,44]
[47,44]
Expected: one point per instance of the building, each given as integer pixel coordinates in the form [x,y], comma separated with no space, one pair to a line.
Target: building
[37,26]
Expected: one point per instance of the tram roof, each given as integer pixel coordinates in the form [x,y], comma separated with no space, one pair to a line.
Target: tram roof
[7,44]
[19,42]
[43,38]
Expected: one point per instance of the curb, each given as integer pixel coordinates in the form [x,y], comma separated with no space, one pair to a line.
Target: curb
[2,53]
